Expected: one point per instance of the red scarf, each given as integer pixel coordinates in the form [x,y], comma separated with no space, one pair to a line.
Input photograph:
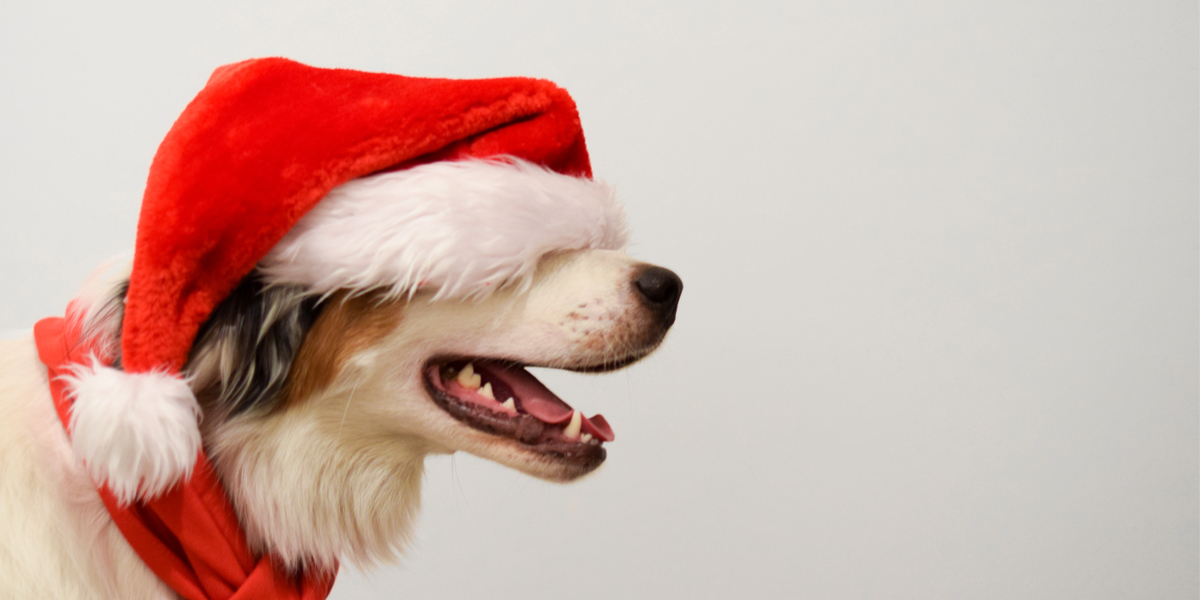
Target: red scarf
[190,536]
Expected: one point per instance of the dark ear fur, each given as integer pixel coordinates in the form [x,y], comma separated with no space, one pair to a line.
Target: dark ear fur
[243,354]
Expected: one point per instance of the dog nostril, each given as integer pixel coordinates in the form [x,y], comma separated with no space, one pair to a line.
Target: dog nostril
[661,288]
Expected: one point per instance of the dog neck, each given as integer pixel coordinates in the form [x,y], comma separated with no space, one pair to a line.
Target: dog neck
[349,493]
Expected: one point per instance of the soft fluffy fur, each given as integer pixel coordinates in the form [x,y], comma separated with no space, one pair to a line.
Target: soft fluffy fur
[462,227]
[316,411]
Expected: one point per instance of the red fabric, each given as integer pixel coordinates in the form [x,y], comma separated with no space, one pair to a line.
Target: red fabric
[266,139]
[190,536]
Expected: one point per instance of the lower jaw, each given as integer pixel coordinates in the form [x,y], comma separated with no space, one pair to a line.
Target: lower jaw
[570,458]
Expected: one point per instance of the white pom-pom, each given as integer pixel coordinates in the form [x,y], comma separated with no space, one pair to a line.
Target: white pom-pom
[137,432]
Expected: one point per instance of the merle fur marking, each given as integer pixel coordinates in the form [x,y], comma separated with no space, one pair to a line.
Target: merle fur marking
[243,353]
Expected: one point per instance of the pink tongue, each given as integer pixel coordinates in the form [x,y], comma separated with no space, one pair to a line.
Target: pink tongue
[539,401]
[598,426]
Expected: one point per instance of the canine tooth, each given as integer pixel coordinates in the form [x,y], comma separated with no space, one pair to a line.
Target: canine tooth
[572,430]
[585,438]
[510,404]
[486,391]
[468,378]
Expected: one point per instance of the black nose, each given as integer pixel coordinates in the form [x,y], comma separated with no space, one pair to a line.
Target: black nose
[660,288]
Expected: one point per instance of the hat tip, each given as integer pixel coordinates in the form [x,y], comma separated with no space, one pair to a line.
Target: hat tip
[138,433]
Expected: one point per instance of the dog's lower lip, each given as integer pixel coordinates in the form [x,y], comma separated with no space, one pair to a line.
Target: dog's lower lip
[541,422]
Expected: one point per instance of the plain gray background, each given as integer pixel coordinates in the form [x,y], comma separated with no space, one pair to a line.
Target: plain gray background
[939,332]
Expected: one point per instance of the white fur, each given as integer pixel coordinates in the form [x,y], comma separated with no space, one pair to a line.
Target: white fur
[463,228]
[135,431]
[56,538]
[91,309]
[337,477]
[332,476]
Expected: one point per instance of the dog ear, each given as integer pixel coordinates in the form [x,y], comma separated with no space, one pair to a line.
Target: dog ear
[243,354]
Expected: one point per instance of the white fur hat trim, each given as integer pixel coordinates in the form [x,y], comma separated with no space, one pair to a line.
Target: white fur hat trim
[464,228]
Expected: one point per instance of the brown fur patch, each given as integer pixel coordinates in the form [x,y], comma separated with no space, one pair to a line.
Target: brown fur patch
[346,326]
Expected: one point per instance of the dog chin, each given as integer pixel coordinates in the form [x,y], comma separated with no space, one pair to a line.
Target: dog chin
[559,466]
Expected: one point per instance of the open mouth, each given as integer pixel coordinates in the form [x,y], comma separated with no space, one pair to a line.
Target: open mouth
[502,398]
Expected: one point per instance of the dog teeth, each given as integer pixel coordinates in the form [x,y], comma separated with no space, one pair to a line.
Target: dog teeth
[572,430]
[510,404]
[585,438]
[468,378]
[486,391]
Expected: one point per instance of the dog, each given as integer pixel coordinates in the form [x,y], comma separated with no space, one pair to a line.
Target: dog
[319,405]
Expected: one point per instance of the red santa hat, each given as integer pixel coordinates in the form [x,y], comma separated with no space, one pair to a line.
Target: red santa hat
[244,180]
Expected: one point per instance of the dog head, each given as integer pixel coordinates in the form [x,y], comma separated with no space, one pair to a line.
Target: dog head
[320,403]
